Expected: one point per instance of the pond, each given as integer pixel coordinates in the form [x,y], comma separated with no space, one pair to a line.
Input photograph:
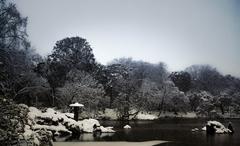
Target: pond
[178,131]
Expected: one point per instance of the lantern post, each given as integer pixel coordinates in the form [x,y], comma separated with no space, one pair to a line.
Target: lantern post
[76,106]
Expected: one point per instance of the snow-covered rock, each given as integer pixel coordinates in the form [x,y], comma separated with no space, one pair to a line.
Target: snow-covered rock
[219,127]
[62,123]
[107,129]
[87,124]
[52,116]
[33,112]
[204,128]
[39,137]
[195,130]
[127,127]
[28,133]
[57,129]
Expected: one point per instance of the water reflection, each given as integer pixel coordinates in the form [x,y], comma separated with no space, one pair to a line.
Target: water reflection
[219,140]
[127,131]
[94,136]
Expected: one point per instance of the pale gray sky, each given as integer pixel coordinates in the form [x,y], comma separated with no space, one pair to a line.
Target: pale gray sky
[177,32]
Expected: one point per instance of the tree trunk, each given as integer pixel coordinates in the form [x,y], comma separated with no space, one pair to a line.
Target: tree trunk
[126,108]
[161,108]
[222,109]
[111,98]
[53,96]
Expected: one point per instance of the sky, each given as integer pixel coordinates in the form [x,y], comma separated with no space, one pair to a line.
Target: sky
[179,33]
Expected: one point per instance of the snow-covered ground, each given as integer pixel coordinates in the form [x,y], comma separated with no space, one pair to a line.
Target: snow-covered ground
[112,114]
[147,143]
[146,116]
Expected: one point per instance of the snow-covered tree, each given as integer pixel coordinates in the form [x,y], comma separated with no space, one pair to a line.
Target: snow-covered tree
[207,104]
[172,99]
[83,88]
[73,52]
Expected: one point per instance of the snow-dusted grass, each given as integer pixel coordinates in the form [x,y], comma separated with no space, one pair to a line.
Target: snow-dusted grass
[146,116]
[108,113]
[111,114]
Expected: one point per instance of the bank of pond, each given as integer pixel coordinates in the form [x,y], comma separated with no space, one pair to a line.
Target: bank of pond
[177,131]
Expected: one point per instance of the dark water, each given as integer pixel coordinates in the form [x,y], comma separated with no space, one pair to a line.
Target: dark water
[176,130]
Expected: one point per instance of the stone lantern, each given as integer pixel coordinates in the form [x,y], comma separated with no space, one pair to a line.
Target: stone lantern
[76,106]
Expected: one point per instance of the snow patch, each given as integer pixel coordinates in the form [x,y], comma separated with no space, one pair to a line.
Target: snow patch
[146,116]
[127,127]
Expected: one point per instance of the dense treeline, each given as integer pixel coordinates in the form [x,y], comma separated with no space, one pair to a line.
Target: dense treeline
[71,73]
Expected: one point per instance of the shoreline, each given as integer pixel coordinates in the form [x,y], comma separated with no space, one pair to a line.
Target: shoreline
[167,118]
[110,143]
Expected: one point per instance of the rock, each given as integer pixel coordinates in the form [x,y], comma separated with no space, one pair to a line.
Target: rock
[195,130]
[107,129]
[215,127]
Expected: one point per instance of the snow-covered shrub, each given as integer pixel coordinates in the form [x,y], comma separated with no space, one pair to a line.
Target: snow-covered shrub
[12,121]
[16,126]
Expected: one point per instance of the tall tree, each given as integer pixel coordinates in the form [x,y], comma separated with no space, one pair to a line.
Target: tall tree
[74,52]
[17,58]
[12,26]
[207,78]
[68,54]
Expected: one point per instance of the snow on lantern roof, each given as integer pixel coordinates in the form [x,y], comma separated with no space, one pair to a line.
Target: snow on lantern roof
[76,104]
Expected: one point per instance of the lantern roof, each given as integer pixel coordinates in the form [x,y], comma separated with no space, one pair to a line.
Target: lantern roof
[76,104]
